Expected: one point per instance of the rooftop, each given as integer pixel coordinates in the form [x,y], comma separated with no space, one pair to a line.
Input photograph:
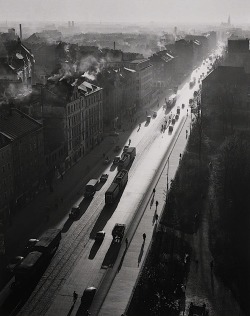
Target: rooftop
[227,74]
[15,124]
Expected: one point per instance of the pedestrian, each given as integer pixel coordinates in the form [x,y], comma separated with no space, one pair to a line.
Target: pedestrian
[75,296]
[126,241]
[129,142]
[144,236]
[180,156]
[153,190]
[156,203]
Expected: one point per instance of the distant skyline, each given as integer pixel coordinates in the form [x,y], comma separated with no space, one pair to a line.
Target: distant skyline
[127,11]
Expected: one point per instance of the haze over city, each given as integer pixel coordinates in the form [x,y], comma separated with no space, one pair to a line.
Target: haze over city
[124,157]
[134,11]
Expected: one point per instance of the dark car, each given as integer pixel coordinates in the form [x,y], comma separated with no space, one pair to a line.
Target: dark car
[170,128]
[116,160]
[74,213]
[14,263]
[104,178]
[100,236]
[88,296]
[30,244]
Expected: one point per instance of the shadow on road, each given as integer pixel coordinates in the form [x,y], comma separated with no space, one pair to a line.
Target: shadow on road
[94,250]
[141,252]
[104,216]
[83,207]
[111,255]
[121,262]
[71,309]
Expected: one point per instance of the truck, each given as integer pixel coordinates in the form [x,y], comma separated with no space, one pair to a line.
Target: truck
[118,232]
[49,242]
[29,269]
[90,188]
[126,158]
[112,193]
[121,178]
[131,151]
[124,161]
[116,186]
[171,101]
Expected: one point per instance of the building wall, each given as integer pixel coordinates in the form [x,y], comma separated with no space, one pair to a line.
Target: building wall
[144,80]
[129,92]
[28,162]
[83,124]
[6,179]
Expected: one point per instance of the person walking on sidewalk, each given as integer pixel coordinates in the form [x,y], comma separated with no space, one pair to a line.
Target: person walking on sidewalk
[153,190]
[156,203]
[75,296]
[144,237]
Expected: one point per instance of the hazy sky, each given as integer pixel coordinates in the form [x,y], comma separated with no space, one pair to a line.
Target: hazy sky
[172,11]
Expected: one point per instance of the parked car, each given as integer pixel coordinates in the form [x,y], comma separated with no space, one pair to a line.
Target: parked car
[30,244]
[74,213]
[88,296]
[100,236]
[104,177]
[116,160]
[170,128]
[125,148]
[14,262]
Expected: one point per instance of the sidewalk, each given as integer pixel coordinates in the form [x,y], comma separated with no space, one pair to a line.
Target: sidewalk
[203,286]
[121,290]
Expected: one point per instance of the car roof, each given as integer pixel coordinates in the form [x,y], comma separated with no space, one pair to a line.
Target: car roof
[90,289]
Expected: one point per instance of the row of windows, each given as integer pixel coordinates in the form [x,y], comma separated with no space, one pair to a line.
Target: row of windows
[80,103]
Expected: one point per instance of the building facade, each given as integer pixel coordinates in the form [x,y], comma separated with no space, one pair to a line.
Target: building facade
[144,80]
[27,153]
[6,176]
[163,69]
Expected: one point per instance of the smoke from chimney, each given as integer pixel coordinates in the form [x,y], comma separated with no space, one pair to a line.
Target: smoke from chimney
[21,36]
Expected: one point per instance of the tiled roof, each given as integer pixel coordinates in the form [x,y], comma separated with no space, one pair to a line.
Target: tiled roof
[17,124]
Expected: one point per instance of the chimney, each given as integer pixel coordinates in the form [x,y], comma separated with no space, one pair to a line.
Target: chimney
[114,45]
[21,36]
